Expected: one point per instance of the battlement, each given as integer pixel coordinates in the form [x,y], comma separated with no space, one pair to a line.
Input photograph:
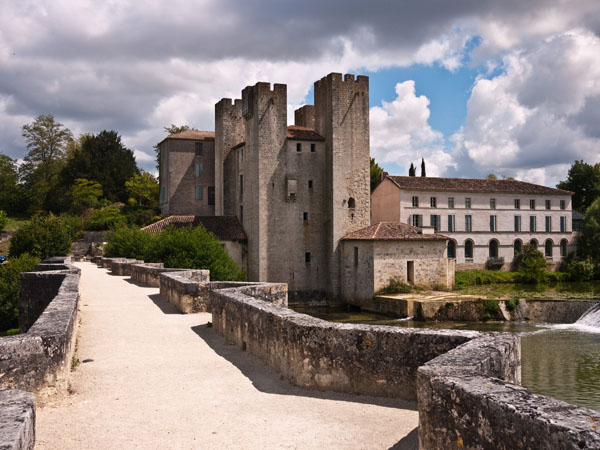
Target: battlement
[305,116]
[258,93]
[360,82]
[227,104]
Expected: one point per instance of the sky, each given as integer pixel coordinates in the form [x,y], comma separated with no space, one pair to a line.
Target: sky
[474,87]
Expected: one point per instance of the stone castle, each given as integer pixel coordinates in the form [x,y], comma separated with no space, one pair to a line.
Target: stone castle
[297,190]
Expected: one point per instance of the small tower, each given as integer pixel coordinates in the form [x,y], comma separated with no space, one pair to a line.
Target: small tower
[229,131]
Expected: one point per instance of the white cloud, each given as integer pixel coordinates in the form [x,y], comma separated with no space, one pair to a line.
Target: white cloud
[400,132]
[531,121]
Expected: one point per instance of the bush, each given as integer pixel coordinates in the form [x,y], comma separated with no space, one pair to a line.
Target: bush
[395,286]
[530,265]
[129,242]
[140,216]
[42,237]
[511,304]
[105,219]
[3,220]
[478,277]
[10,288]
[578,270]
[190,248]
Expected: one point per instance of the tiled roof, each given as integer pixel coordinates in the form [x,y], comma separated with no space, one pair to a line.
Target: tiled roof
[303,134]
[193,134]
[225,228]
[393,232]
[473,185]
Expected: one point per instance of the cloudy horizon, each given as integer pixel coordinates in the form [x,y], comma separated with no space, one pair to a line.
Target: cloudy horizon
[474,87]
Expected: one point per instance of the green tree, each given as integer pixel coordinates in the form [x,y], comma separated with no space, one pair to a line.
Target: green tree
[583,180]
[491,177]
[376,172]
[102,158]
[85,193]
[42,237]
[412,171]
[10,191]
[144,189]
[105,219]
[530,265]
[46,141]
[10,288]
[423,167]
[589,242]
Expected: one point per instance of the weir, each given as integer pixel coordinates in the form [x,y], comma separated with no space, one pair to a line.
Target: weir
[591,317]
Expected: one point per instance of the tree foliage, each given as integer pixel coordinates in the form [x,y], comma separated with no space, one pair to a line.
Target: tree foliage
[530,264]
[412,171]
[423,174]
[46,141]
[491,177]
[589,242]
[583,180]
[376,172]
[11,198]
[10,288]
[85,193]
[102,158]
[105,219]
[42,237]
[143,188]
[3,220]
[188,247]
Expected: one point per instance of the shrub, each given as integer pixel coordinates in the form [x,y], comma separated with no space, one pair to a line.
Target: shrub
[105,219]
[578,270]
[10,288]
[395,286]
[42,237]
[3,220]
[511,304]
[530,265]
[128,242]
[190,248]
[492,307]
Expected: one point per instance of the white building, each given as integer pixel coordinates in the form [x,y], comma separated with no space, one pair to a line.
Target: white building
[488,221]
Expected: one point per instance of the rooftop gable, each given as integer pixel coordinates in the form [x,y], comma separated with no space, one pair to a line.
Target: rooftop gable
[392,232]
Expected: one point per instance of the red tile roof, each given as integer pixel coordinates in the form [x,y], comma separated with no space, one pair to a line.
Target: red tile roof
[392,232]
[303,134]
[225,228]
[473,185]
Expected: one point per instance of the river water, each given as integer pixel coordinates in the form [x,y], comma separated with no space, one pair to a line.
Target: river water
[562,361]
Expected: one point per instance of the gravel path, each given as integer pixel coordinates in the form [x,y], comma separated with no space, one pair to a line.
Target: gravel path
[154,379]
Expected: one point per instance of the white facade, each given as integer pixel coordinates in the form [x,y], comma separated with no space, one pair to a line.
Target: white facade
[499,221]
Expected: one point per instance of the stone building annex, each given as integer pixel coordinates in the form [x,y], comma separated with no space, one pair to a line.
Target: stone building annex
[301,192]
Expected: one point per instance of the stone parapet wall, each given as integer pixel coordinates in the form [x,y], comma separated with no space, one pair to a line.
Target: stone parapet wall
[17,420]
[149,273]
[187,290]
[122,267]
[316,354]
[39,360]
[469,398]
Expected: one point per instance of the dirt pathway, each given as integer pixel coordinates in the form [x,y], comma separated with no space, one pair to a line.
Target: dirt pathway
[154,379]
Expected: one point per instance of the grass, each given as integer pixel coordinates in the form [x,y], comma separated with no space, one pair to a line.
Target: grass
[481,277]
[395,286]
[14,223]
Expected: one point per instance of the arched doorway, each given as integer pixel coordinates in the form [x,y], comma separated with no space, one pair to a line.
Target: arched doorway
[493,247]
[563,248]
[518,246]
[451,249]
[548,248]
[468,249]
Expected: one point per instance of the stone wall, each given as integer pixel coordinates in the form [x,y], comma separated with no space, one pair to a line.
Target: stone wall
[149,273]
[122,267]
[187,290]
[17,420]
[469,398]
[39,360]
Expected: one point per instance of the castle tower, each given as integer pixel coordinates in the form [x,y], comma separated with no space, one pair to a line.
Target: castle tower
[265,116]
[305,116]
[229,131]
[342,118]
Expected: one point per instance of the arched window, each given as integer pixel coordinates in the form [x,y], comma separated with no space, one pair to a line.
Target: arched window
[493,248]
[563,248]
[534,243]
[548,248]
[518,246]
[451,249]
[469,249]
[351,203]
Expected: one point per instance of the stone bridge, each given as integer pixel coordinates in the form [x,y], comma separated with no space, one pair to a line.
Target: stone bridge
[147,376]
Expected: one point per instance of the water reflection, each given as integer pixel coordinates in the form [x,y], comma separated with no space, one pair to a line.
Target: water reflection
[562,361]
